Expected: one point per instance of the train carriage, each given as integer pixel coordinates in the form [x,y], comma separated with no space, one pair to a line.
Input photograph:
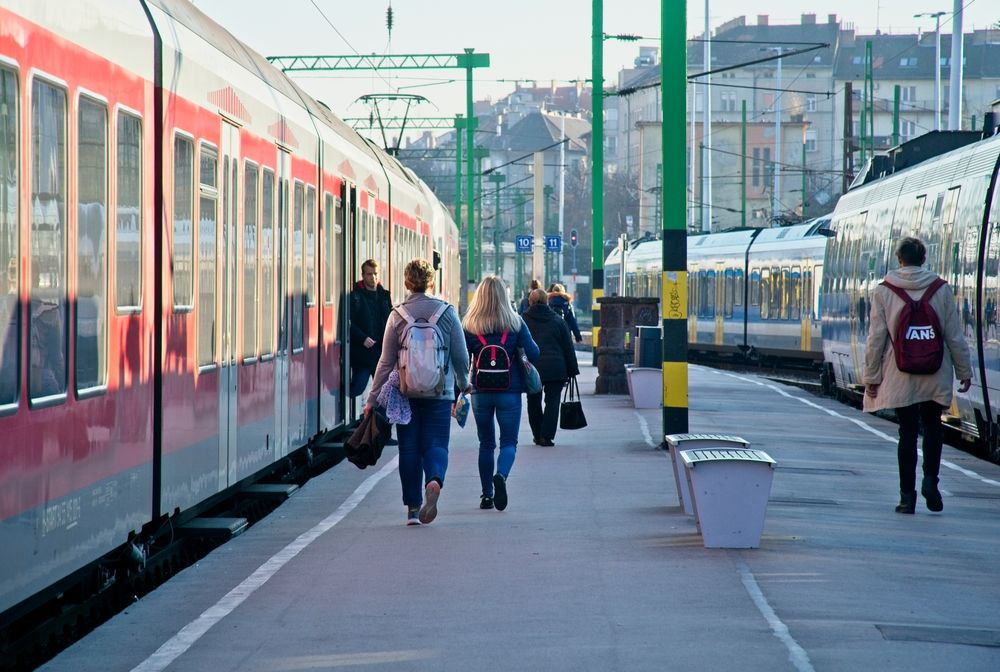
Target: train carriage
[180,225]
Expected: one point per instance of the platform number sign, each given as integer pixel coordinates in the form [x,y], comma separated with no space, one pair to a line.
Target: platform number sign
[524,243]
[553,243]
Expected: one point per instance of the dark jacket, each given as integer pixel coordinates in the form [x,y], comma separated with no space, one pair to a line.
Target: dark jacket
[368,324]
[560,305]
[558,359]
[515,340]
[364,448]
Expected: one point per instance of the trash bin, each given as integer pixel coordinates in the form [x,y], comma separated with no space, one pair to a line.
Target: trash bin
[679,442]
[648,347]
[730,488]
[645,386]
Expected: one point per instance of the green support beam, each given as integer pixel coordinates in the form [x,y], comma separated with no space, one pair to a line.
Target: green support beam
[399,123]
[380,62]
[674,302]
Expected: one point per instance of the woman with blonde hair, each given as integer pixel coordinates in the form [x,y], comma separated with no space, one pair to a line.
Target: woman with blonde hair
[493,334]
[561,304]
[423,443]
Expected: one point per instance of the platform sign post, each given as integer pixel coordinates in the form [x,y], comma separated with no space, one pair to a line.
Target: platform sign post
[674,304]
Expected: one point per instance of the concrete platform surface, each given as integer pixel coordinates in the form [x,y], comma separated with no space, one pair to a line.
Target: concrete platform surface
[594,565]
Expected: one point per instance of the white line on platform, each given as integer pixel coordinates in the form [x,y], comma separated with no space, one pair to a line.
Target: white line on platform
[865,426]
[194,630]
[644,426]
[796,654]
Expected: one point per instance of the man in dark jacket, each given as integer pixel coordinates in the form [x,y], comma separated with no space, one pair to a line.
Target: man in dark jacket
[556,364]
[370,308]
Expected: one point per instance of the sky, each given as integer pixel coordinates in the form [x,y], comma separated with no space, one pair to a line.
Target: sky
[541,40]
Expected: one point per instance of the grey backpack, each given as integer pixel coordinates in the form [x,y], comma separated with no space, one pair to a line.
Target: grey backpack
[423,355]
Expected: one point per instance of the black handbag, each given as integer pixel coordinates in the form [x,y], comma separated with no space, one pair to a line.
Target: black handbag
[531,381]
[571,410]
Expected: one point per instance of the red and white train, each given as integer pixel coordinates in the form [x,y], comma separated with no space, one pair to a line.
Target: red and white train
[179,228]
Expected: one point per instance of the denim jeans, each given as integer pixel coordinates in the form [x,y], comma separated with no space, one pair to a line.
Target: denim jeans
[423,447]
[506,408]
[928,414]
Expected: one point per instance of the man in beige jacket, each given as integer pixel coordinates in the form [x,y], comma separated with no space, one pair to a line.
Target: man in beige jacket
[916,397]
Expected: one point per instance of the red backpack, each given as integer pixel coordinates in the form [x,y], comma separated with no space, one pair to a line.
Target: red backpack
[918,343]
[492,366]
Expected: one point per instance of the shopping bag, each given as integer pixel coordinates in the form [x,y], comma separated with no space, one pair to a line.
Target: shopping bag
[571,410]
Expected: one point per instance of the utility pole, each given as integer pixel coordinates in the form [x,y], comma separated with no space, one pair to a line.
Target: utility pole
[937,64]
[776,196]
[470,127]
[459,125]
[957,65]
[848,132]
[674,281]
[743,162]
[562,196]
[546,226]
[706,130]
[895,115]
[597,167]
[497,179]
[538,253]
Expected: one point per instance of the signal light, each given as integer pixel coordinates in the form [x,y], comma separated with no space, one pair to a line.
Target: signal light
[572,237]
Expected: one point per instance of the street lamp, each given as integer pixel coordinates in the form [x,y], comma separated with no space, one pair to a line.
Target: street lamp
[937,64]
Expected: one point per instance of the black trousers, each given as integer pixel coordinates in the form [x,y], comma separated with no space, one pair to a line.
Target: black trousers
[928,414]
[544,423]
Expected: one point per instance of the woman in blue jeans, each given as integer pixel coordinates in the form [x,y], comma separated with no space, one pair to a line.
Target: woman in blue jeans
[491,325]
[423,443]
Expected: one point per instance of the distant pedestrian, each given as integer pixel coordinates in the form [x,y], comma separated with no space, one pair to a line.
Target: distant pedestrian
[370,308]
[561,304]
[556,365]
[535,284]
[493,333]
[917,398]
[423,443]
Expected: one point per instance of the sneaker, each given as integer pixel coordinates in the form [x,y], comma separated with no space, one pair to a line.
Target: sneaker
[485,502]
[392,442]
[429,511]
[499,492]
[412,515]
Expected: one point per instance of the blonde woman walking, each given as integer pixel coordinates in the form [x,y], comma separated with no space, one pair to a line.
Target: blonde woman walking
[493,333]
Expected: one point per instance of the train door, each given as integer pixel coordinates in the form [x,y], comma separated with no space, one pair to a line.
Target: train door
[720,301]
[281,363]
[228,370]
[352,260]
[988,343]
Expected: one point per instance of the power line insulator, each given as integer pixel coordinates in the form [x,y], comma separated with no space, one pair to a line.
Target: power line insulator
[388,18]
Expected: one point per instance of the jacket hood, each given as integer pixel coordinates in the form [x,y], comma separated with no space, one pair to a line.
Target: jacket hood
[562,295]
[911,277]
[540,312]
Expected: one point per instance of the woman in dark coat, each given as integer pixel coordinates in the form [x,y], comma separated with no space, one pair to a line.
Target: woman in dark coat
[556,365]
[561,304]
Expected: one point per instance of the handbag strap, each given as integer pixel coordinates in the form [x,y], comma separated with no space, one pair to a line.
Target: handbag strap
[572,391]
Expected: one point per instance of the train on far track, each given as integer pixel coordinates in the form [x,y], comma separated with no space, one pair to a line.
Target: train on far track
[180,227]
[802,293]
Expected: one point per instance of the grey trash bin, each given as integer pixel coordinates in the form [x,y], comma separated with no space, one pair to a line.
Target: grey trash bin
[648,347]
[678,442]
[730,488]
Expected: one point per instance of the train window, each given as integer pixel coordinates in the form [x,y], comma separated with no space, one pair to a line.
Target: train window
[250,236]
[709,302]
[10,314]
[730,298]
[91,246]
[181,263]
[765,294]
[795,293]
[739,283]
[777,293]
[48,309]
[267,263]
[310,246]
[296,280]
[918,214]
[336,262]
[128,211]
[207,232]
[755,287]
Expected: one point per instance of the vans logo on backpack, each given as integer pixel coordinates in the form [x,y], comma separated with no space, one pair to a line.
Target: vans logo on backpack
[920,333]
[916,341]
[423,355]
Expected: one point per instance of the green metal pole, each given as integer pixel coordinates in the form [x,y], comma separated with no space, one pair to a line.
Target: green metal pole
[459,125]
[743,163]
[597,166]
[895,114]
[479,217]
[469,153]
[496,179]
[674,300]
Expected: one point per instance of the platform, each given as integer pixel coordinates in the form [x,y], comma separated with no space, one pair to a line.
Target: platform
[594,565]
